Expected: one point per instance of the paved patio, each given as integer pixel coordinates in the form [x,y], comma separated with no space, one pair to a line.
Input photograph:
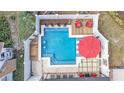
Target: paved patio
[83,30]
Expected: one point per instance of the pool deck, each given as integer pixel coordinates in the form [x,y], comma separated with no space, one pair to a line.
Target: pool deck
[82,30]
[47,69]
[91,65]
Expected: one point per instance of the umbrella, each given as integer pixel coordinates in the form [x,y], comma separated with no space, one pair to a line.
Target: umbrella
[89,47]
[78,24]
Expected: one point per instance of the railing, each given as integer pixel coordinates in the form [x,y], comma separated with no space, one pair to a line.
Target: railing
[53,76]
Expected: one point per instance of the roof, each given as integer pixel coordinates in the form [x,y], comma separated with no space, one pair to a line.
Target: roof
[1,46]
[118,74]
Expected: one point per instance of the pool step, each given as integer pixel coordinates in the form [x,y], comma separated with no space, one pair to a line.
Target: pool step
[54,61]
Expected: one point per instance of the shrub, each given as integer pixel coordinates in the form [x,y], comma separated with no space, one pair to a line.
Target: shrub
[5,33]
[117,18]
[26,25]
[12,17]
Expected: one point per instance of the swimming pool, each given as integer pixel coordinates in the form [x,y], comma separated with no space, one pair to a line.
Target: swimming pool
[57,45]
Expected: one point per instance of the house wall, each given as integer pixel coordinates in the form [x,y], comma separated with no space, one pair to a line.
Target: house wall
[3,51]
[27,59]
[7,54]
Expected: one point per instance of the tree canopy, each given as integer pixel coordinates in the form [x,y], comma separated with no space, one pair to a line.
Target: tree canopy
[5,33]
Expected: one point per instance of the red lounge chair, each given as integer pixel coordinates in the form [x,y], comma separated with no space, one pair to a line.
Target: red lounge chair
[78,24]
[81,75]
[94,75]
[89,23]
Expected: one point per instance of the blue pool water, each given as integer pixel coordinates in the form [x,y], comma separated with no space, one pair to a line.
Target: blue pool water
[57,45]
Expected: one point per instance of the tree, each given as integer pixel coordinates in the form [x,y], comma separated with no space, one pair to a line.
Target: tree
[5,33]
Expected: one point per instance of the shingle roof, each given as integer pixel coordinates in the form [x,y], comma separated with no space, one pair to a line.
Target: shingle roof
[1,46]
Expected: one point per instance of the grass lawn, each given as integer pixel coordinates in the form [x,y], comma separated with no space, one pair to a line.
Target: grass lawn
[7,13]
[115,34]
[19,73]
[26,24]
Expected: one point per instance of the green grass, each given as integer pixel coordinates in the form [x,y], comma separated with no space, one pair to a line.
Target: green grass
[7,13]
[116,17]
[5,32]
[115,34]
[19,73]
[26,24]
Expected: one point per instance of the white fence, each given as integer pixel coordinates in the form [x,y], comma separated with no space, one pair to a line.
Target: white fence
[104,44]
[27,61]
[104,53]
